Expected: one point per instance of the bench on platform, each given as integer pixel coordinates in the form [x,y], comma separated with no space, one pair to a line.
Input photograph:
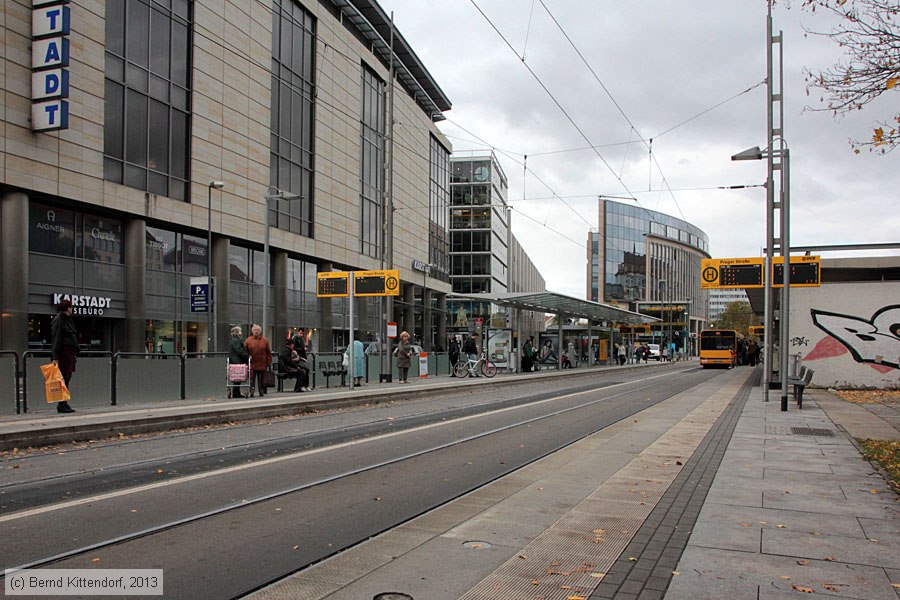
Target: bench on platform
[332,368]
[803,379]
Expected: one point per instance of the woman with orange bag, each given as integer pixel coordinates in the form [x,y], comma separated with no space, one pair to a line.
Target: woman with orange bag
[64,346]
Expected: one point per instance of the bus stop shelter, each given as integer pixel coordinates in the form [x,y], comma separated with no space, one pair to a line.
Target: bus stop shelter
[602,316]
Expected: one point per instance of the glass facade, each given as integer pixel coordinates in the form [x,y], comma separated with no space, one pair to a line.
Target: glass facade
[371,164]
[438,210]
[293,91]
[627,233]
[146,132]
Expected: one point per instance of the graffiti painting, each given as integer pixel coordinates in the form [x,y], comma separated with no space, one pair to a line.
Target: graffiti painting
[875,341]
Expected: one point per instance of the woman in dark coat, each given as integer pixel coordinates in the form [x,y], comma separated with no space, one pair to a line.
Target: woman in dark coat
[64,346]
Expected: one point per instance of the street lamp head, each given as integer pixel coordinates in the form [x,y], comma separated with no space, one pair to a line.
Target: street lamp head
[753,153]
[216,184]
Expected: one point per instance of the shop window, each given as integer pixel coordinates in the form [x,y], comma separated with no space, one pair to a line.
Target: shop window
[239,260]
[51,230]
[101,240]
[160,250]
[193,255]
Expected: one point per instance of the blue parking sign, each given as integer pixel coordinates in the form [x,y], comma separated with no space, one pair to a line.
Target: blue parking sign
[199,297]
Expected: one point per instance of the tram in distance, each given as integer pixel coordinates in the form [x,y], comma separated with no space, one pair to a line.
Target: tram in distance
[718,348]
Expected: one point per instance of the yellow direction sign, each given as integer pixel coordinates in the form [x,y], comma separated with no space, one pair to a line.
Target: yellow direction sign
[747,273]
[334,284]
[718,273]
[805,271]
[376,283]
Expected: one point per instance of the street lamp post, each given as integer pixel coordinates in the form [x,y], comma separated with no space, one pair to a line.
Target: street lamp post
[273,193]
[784,156]
[663,287]
[210,299]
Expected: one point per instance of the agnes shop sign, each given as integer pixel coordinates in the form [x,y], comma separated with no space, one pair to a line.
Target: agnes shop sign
[84,305]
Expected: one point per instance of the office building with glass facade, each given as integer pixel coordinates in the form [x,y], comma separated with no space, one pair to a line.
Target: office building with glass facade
[649,262]
[484,255]
[183,128]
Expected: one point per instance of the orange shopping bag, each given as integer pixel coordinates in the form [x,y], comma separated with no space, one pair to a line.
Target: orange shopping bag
[54,384]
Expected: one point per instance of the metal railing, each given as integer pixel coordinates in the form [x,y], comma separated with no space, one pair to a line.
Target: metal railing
[92,377]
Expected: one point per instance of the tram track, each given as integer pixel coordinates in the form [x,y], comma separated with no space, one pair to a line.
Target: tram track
[659,387]
[45,490]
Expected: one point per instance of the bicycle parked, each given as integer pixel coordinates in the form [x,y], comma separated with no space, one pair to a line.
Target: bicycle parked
[473,368]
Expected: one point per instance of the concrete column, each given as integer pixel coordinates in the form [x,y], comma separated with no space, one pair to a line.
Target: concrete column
[221,272]
[279,283]
[14,272]
[326,337]
[409,311]
[135,285]
[442,321]
[427,331]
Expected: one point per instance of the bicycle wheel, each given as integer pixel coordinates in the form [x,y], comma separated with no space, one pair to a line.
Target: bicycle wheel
[488,369]
[461,369]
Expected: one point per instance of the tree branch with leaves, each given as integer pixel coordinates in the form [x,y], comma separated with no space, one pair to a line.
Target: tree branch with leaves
[869,34]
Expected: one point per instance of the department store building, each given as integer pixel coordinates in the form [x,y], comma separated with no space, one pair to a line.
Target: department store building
[135,131]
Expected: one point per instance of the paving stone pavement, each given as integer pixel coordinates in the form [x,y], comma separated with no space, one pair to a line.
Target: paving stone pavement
[795,511]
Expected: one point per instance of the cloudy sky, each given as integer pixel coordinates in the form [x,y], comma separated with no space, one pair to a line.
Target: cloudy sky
[688,74]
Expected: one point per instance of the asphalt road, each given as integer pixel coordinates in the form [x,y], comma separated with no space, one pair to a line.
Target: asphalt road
[228,510]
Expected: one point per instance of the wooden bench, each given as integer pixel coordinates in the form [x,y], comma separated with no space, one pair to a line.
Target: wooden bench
[803,379]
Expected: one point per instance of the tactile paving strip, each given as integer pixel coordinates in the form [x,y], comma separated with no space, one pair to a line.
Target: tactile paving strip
[571,557]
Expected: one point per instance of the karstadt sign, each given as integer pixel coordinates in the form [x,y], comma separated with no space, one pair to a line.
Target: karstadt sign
[50,25]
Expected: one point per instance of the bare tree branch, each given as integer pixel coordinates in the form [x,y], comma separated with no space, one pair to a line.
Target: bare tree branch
[869,34]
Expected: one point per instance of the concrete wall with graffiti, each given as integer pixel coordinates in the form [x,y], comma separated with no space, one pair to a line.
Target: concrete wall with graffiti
[849,333]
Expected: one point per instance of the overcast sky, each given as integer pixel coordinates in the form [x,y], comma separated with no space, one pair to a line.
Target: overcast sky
[662,63]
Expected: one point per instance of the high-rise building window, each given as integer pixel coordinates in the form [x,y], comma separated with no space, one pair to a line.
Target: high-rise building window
[439,208]
[371,163]
[146,134]
[293,89]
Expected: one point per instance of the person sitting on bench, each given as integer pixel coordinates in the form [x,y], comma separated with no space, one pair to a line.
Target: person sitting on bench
[289,365]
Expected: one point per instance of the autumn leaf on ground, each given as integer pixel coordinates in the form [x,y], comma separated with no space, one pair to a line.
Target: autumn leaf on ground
[296,547]
[802,563]
[831,587]
[804,589]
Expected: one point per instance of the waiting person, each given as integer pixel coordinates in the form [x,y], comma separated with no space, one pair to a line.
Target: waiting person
[64,347]
[289,365]
[454,354]
[404,357]
[237,353]
[299,344]
[620,354]
[527,356]
[260,358]
[470,347]
[357,368]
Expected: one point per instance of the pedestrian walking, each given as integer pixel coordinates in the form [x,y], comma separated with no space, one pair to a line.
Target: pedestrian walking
[404,357]
[64,347]
[260,358]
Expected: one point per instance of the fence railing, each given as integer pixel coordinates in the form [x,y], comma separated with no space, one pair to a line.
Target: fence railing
[103,378]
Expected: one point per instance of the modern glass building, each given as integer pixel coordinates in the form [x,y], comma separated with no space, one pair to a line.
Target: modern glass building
[484,254]
[649,262]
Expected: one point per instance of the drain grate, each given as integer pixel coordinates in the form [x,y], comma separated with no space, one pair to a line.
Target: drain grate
[812,431]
